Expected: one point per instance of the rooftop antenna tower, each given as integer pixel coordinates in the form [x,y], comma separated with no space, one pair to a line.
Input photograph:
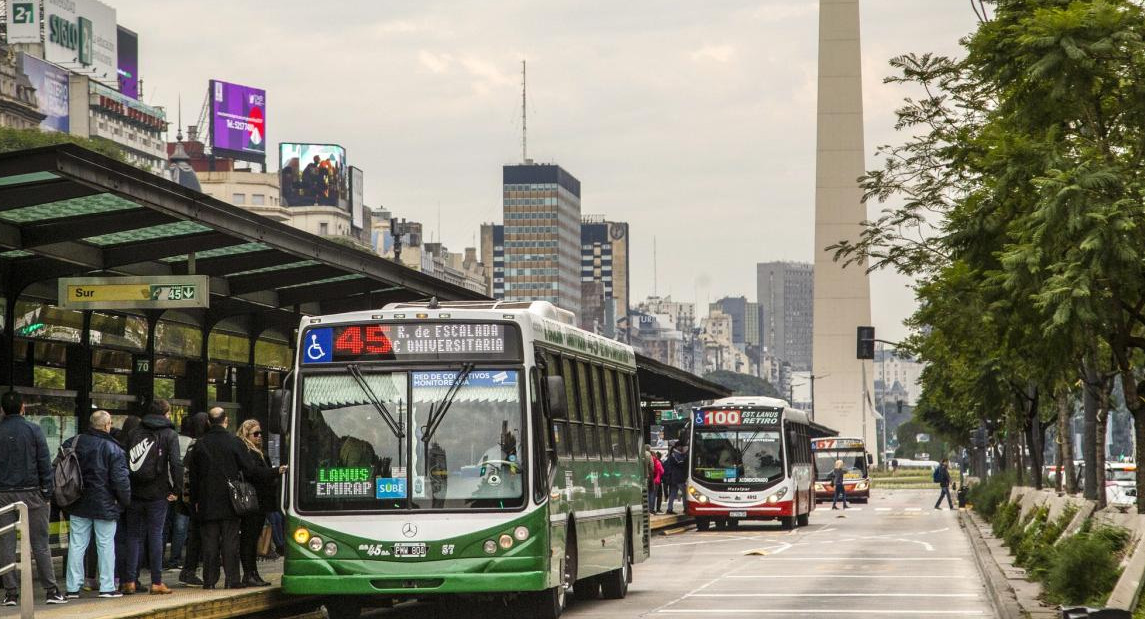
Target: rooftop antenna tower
[655,270]
[524,117]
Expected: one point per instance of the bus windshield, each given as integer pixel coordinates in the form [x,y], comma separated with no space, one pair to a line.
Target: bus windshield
[732,455]
[854,463]
[350,459]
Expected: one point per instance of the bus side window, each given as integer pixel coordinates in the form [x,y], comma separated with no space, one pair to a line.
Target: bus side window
[561,448]
[587,413]
[599,407]
[576,427]
[541,453]
[615,434]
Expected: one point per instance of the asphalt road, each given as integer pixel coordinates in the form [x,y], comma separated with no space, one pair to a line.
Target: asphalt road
[894,557]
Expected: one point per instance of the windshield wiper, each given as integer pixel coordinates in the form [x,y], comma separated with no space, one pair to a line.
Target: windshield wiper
[437,413]
[356,372]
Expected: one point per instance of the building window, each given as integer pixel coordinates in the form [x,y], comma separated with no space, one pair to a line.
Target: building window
[323,228]
[257,199]
[239,198]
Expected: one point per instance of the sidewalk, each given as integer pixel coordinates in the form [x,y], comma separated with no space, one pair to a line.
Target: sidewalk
[195,603]
[1014,596]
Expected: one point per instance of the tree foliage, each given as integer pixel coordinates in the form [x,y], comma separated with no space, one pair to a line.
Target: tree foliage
[23,139]
[1020,210]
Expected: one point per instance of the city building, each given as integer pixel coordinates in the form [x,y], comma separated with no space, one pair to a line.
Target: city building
[719,350]
[140,130]
[747,324]
[603,274]
[785,292]
[896,377]
[542,237]
[656,336]
[19,107]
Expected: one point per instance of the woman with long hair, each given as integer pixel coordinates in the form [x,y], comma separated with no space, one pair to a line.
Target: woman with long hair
[250,526]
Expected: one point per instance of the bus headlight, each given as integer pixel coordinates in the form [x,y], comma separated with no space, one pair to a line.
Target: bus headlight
[315,544]
[819,487]
[505,542]
[696,495]
[330,549]
[490,547]
[861,485]
[521,533]
[775,498]
[301,536]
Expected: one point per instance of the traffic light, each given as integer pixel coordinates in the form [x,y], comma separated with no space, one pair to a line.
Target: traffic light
[866,343]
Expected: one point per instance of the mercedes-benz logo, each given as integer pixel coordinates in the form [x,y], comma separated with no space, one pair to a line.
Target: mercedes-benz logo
[409,529]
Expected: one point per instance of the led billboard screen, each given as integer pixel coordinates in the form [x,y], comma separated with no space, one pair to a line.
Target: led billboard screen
[313,174]
[51,83]
[238,121]
[128,52]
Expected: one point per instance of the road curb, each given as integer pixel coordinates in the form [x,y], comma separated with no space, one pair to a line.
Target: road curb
[998,589]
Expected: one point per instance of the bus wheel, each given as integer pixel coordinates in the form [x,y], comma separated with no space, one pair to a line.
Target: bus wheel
[587,589]
[702,524]
[803,519]
[614,584]
[721,524]
[551,603]
[787,522]
[343,607]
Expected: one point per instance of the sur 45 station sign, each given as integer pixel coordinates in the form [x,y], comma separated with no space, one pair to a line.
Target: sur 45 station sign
[158,292]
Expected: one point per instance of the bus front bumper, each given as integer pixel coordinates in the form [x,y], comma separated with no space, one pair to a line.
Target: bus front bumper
[460,575]
[754,512]
[828,492]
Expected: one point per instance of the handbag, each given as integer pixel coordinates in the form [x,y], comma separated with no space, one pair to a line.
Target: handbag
[244,498]
[265,541]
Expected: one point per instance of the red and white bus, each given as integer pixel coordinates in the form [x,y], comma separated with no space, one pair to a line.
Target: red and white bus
[856,467]
[749,458]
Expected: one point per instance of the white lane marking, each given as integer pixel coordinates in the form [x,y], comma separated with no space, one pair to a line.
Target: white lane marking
[794,612]
[913,509]
[819,594]
[843,558]
[706,541]
[882,509]
[895,577]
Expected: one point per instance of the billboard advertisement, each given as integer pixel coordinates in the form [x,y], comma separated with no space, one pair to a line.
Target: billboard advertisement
[357,197]
[81,35]
[313,174]
[128,54]
[238,121]
[51,84]
[23,21]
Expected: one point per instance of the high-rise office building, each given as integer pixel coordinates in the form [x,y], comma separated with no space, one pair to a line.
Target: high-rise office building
[541,244]
[786,296]
[603,274]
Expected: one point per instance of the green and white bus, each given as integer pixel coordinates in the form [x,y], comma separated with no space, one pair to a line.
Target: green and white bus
[487,448]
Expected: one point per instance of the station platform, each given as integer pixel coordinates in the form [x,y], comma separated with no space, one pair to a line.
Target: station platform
[195,603]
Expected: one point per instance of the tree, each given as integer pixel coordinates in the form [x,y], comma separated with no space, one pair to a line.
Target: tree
[742,384]
[23,139]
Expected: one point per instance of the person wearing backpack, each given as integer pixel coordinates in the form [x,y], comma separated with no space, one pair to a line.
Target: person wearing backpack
[942,478]
[105,493]
[25,475]
[156,470]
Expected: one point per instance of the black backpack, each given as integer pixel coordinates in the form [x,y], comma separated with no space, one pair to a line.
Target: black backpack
[145,456]
[67,477]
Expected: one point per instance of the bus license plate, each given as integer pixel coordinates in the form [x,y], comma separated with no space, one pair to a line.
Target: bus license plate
[737,514]
[409,550]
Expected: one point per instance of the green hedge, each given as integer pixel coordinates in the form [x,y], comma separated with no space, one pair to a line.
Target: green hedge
[988,495]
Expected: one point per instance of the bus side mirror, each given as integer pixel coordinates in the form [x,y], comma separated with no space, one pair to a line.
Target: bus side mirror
[557,398]
[870,459]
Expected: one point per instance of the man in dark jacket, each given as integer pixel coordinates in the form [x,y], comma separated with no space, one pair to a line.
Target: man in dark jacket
[218,458]
[156,470]
[675,472]
[106,493]
[942,476]
[25,475]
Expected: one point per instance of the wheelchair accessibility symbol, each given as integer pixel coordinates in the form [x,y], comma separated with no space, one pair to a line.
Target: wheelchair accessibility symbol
[319,346]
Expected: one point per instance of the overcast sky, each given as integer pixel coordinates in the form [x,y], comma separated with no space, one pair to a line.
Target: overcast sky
[692,121]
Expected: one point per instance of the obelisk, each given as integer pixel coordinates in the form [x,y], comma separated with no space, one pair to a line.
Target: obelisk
[842,296]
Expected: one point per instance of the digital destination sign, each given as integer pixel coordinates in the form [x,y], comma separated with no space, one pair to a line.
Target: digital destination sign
[238,120]
[724,417]
[837,443]
[420,341]
[343,483]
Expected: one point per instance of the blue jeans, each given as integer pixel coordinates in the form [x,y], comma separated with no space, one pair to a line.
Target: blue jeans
[79,536]
[277,531]
[179,524]
[673,491]
[840,491]
[145,520]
